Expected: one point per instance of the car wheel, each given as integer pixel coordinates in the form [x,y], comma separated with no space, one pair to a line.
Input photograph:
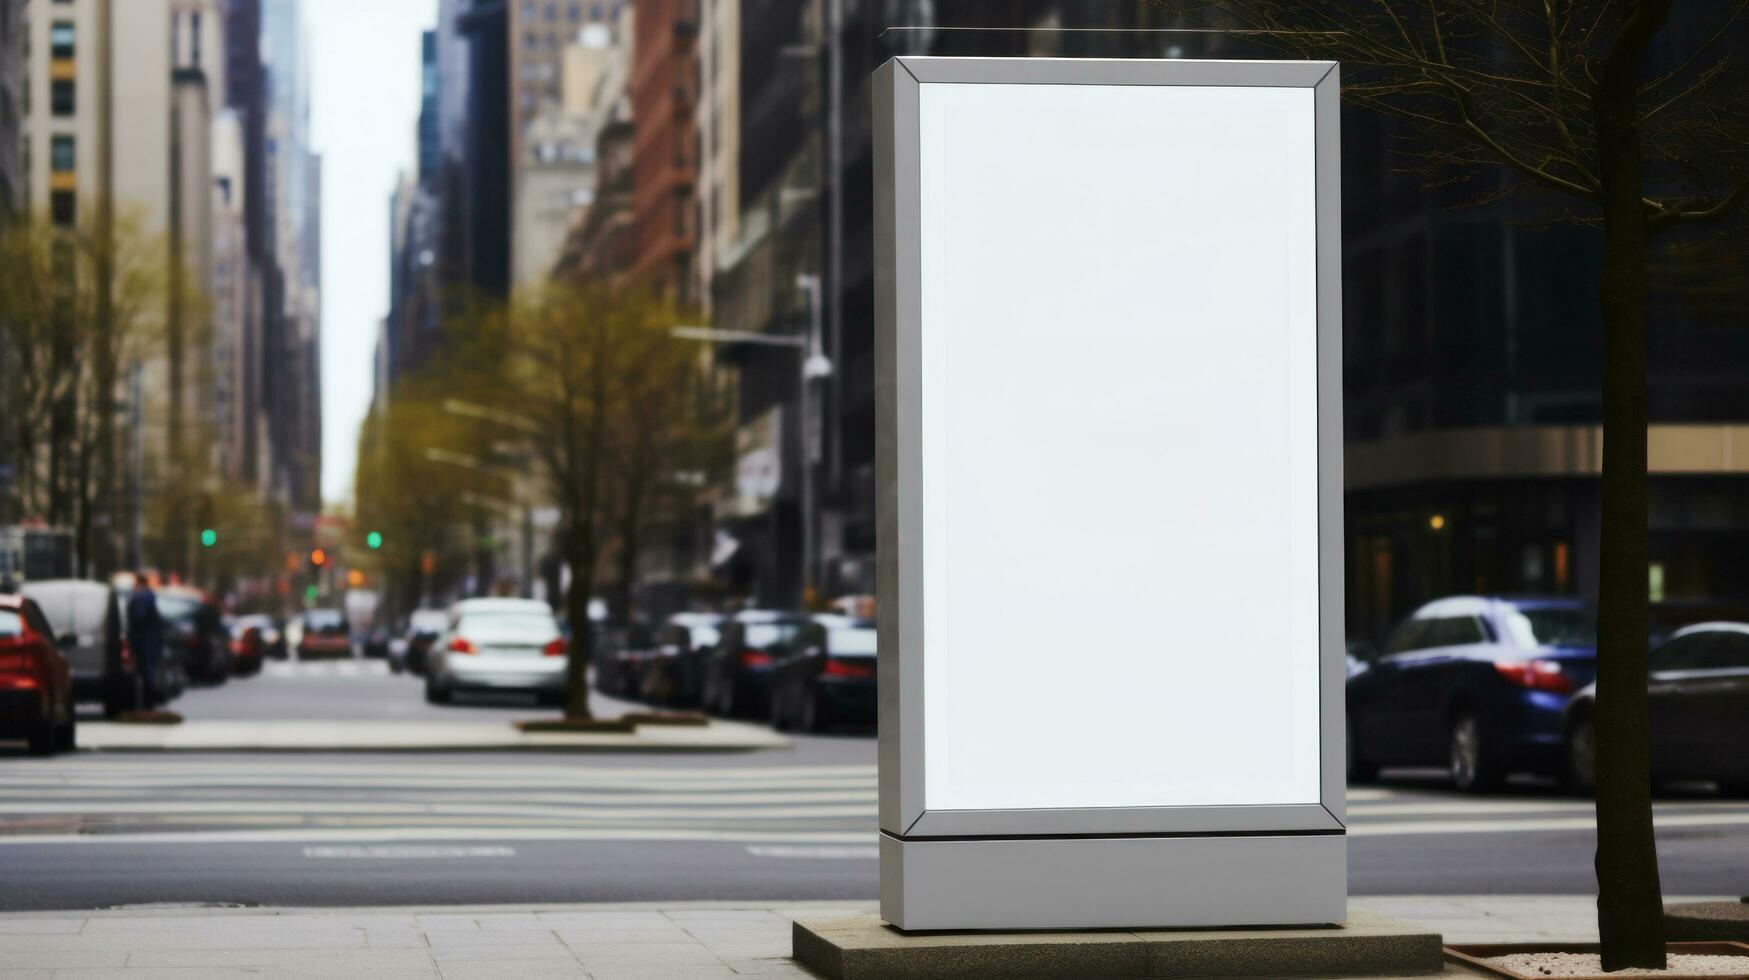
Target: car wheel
[1734,789]
[1361,770]
[1473,768]
[1582,756]
[779,718]
[435,694]
[67,736]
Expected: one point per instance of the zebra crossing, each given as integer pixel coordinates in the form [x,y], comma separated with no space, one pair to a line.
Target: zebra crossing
[325,668]
[122,800]
[776,811]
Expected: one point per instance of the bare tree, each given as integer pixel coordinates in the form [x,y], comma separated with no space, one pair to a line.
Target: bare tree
[1561,95]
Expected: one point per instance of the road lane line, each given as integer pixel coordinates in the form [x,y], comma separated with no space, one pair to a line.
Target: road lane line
[824,852]
[410,851]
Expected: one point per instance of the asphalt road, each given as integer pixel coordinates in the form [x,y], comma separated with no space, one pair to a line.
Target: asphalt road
[103,830]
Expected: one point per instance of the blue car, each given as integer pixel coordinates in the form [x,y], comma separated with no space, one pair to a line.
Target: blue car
[1474,684]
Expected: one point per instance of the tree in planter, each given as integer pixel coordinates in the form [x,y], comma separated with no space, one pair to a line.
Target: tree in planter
[77,305]
[1560,95]
[581,363]
[671,438]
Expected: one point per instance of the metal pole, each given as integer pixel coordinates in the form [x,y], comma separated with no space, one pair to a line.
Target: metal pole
[809,435]
[834,223]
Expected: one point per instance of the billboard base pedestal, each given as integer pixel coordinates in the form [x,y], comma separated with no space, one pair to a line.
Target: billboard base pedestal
[1166,881]
[865,947]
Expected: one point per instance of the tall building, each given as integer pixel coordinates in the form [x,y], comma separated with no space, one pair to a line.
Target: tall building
[599,244]
[151,106]
[664,90]
[11,105]
[292,287]
[246,92]
[555,176]
[485,185]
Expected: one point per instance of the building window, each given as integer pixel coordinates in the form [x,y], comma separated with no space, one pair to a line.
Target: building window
[63,97]
[62,207]
[575,11]
[61,154]
[61,39]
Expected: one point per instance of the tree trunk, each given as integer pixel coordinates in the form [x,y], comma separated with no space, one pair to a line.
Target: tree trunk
[580,555]
[1630,911]
[626,572]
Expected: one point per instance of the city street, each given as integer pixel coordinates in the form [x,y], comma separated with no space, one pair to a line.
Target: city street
[98,830]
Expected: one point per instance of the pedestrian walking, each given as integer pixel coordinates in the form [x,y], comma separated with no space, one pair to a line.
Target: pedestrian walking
[146,636]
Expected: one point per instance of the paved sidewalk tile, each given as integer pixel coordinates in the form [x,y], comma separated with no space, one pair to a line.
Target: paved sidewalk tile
[640,941]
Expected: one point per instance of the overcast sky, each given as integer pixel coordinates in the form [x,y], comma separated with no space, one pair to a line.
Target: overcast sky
[364,108]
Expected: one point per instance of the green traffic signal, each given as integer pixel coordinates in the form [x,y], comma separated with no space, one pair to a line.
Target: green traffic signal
[374,539]
[208,538]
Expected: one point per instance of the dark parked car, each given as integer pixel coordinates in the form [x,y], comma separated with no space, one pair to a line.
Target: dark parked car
[375,644]
[829,679]
[36,685]
[423,629]
[737,671]
[193,625]
[1700,711]
[248,643]
[619,662]
[1476,684]
[87,620]
[673,676]
[325,635]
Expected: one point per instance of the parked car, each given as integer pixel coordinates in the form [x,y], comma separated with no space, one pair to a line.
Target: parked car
[273,637]
[673,675]
[248,643]
[423,629]
[192,623]
[376,643]
[1699,699]
[828,679]
[736,679]
[1478,684]
[88,627]
[498,645]
[619,661]
[324,635]
[36,684]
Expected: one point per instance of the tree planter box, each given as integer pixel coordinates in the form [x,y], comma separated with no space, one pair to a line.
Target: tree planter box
[671,718]
[1477,955]
[577,726]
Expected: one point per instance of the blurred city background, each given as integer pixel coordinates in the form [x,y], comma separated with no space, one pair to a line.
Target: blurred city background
[584,360]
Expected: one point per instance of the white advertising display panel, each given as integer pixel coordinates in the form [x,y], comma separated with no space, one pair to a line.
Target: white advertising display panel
[1119,327]
[1109,471]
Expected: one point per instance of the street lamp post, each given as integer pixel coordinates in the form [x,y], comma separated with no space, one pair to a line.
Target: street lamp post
[812,365]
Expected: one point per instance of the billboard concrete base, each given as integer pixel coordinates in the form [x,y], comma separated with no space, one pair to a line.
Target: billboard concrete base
[865,947]
[1169,881]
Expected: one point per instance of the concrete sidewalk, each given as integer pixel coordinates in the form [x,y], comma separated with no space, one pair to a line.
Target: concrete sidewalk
[414,736]
[607,942]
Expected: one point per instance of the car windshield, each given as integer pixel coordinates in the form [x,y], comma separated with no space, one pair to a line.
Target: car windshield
[766,635]
[324,621]
[177,608]
[854,641]
[429,621]
[1552,627]
[705,636]
[11,624]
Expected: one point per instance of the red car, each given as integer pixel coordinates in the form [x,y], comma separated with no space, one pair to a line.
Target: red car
[36,685]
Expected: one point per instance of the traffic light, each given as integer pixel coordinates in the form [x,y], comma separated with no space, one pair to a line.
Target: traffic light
[311,593]
[355,578]
[318,557]
[374,539]
[208,538]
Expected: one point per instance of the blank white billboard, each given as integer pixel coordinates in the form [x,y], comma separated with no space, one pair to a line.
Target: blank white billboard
[1119,446]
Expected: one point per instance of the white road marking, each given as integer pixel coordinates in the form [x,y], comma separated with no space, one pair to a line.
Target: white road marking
[817,851]
[1660,822]
[417,851]
[470,809]
[324,834]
